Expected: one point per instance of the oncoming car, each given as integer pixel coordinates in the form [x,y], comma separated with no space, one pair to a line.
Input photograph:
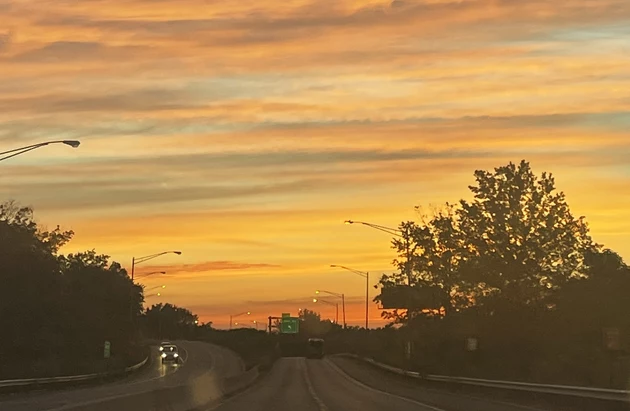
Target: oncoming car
[169,353]
[164,344]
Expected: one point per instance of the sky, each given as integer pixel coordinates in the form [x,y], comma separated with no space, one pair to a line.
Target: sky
[244,133]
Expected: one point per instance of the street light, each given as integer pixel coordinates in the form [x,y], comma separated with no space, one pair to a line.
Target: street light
[389,230]
[396,233]
[139,260]
[152,273]
[256,322]
[156,287]
[336,305]
[365,275]
[22,150]
[238,315]
[343,302]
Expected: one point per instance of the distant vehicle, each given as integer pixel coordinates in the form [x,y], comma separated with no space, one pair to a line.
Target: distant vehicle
[315,348]
[163,344]
[169,353]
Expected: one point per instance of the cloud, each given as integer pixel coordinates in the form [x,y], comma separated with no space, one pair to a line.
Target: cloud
[5,41]
[207,266]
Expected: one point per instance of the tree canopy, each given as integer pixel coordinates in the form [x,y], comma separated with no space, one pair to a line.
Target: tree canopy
[516,241]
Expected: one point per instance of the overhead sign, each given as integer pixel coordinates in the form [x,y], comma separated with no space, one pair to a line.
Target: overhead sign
[411,297]
[107,349]
[289,325]
[284,315]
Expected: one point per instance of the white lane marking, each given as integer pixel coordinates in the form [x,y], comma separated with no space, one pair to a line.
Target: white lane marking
[311,390]
[184,360]
[360,384]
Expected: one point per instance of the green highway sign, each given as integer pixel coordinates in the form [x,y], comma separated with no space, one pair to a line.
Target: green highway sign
[107,349]
[289,325]
[285,315]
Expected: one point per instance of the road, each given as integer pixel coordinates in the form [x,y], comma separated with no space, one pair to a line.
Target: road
[331,384]
[337,384]
[202,365]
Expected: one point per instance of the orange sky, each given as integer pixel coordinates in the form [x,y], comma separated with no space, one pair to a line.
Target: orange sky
[244,133]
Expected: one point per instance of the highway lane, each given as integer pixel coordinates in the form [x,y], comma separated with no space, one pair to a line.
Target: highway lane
[202,368]
[314,385]
[338,384]
[409,388]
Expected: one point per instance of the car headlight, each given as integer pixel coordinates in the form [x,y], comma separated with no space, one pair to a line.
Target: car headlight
[175,355]
[163,355]
[161,348]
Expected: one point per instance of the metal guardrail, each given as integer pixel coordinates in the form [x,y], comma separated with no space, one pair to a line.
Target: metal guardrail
[563,390]
[70,378]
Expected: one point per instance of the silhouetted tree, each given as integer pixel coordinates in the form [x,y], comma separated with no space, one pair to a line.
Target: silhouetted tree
[58,309]
[170,321]
[521,240]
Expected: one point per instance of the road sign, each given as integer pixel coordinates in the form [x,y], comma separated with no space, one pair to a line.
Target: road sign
[285,315]
[107,349]
[289,325]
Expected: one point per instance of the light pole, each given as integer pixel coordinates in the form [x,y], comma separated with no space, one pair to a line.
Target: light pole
[343,303]
[256,322]
[336,305]
[17,151]
[139,260]
[152,273]
[238,315]
[396,233]
[365,275]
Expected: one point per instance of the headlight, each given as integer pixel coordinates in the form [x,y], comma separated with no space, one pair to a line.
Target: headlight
[163,355]
[175,355]
[161,348]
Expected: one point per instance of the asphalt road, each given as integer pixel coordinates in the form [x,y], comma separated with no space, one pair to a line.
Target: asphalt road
[337,384]
[202,365]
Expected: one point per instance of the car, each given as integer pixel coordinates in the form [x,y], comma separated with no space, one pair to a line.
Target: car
[163,344]
[169,354]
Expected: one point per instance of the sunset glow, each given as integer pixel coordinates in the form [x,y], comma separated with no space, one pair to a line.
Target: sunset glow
[245,133]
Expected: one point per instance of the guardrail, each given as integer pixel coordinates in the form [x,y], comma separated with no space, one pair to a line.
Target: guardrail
[66,379]
[562,390]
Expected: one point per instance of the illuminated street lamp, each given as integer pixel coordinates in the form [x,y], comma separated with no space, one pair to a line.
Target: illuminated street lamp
[336,305]
[238,315]
[365,275]
[343,302]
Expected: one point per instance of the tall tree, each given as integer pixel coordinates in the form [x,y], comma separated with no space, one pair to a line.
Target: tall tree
[522,241]
[170,321]
[31,283]
[100,301]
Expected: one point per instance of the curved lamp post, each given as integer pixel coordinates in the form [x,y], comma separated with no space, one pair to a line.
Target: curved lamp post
[365,275]
[139,260]
[17,151]
[343,302]
[232,316]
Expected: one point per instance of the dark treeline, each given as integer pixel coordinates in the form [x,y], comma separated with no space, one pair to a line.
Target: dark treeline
[57,311]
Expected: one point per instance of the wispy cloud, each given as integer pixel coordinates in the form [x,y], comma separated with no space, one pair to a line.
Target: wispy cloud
[207,267]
